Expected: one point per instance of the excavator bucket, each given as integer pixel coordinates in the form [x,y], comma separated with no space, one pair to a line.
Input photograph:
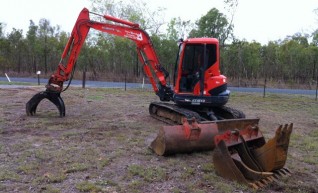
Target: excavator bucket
[240,150]
[192,136]
[54,97]
[273,155]
[245,156]
[186,138]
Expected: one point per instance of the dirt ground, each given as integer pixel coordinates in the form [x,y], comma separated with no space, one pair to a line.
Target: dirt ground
[102,144]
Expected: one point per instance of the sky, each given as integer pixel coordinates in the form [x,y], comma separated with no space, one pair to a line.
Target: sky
[259,20]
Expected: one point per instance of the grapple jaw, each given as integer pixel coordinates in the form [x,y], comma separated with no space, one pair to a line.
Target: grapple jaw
[54,97]
[244,156]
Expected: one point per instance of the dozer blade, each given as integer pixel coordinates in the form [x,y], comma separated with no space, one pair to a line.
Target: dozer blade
[193,136]
[241,156]
[54,97]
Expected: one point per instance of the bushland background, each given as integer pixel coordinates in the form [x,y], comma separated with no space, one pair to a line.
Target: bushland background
[291,62]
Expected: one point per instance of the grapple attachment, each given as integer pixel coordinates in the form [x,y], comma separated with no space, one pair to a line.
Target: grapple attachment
[244,155]
[54,97]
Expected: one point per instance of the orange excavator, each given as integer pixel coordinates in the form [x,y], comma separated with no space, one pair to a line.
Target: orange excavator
[195,107]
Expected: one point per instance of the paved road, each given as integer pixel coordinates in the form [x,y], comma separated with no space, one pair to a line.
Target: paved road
[96,84]
[101,84]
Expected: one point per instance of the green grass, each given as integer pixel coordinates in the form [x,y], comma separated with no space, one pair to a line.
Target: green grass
[8,174]
[42,155]
[18,83]
[1,148]
[29,167]
[77,167]
[207,167]
[86,186]
[187,172]
[50,189]
[149,174]
[103,162]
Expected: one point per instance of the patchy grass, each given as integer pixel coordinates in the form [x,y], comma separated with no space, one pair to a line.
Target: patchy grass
[150,174]
[8,175]
[77,167]
[18,83]
[87,187]
[29,167]
[102,144]
[51,177]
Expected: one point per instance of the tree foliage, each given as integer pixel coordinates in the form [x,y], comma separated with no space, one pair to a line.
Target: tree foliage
[213,24]
[292,59]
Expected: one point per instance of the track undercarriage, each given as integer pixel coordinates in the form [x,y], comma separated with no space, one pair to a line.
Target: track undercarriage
[173,114]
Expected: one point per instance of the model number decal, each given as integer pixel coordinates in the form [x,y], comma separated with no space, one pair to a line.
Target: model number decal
[197,101]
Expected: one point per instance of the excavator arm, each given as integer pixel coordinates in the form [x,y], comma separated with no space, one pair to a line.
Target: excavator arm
[119,27]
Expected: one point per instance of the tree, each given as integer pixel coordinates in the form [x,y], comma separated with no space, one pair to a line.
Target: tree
[315,37]
[119,54]
[178,28]
[32,43]
[45,30]
[242,59]
[166,50]
[4,50]
[16,43]
[271,63]
[1,30]
[213,24]
[133,10]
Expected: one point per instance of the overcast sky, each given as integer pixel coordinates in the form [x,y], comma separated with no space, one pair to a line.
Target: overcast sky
[260,20]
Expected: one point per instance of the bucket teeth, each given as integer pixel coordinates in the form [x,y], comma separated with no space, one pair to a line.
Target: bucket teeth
[287,171]
[253,161]
[273,154]
[55,98]
[281,172]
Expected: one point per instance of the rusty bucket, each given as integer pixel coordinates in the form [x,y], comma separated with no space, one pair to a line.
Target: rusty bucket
[194,137]
[246,157]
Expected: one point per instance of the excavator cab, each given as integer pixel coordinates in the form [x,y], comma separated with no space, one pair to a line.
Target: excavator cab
[197,78]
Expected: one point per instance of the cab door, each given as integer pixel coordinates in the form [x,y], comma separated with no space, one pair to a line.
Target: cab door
[190,63]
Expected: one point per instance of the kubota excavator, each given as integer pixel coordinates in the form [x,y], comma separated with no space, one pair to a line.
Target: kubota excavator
[198,103]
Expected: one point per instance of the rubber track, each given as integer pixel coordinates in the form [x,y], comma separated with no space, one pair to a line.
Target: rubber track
[225,112]
[175,109]
[221,112]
